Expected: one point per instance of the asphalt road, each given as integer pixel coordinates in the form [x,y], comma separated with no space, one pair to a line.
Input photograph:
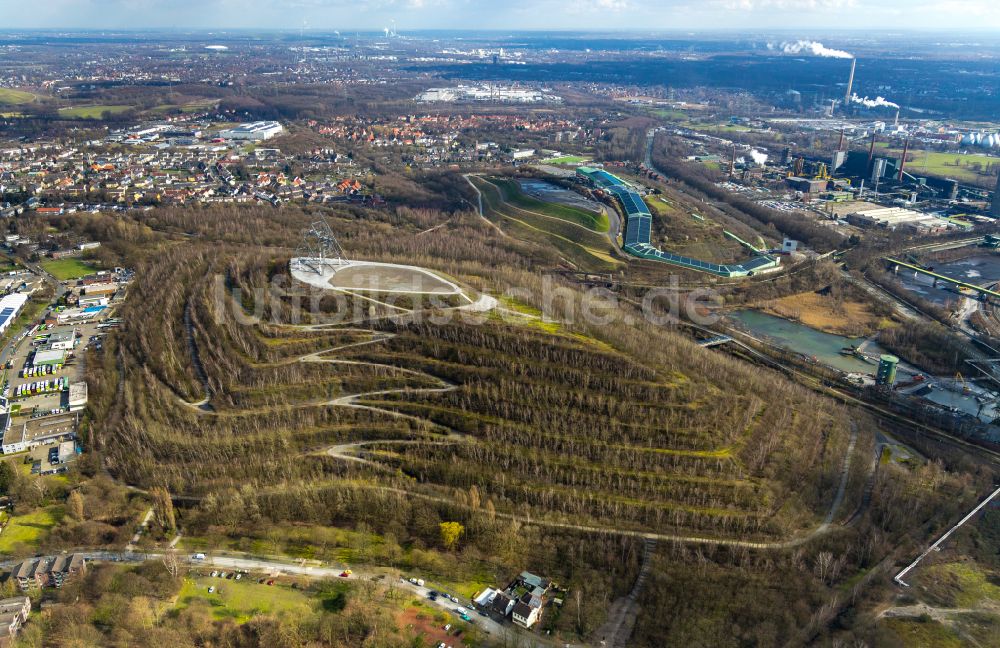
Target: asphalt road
[494,630]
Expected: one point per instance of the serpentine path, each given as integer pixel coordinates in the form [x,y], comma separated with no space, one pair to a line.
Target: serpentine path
[347,452]
[350,451]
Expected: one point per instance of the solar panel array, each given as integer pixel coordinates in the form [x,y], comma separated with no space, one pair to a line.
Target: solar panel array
[638,225]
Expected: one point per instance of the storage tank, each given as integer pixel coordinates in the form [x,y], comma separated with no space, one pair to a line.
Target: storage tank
[886,374]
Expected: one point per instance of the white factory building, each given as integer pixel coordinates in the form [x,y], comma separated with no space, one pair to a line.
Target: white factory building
[487,93]
[893,217]
[255,131]
[10,306]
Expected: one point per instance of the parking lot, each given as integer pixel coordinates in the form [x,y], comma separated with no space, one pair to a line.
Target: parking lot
[48,398]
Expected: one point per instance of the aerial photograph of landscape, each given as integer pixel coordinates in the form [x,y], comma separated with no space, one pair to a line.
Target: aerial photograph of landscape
[525,324]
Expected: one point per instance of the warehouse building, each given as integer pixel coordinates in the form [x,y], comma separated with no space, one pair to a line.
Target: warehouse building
[254,131]
[99,289]
[893,217]
[806,185]
[46,430]
[10,307]
[49,358]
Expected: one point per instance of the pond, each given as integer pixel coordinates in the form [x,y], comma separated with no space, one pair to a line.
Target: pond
[825,347]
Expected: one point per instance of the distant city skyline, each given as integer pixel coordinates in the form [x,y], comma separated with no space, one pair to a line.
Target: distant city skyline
[645,15]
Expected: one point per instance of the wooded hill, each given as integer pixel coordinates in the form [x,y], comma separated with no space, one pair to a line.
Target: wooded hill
[619,426]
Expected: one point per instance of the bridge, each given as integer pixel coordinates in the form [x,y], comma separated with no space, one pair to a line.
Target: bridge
[983,292]
[714,341]
[947,245]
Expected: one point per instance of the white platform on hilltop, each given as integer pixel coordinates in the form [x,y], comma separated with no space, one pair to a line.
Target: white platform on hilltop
[370,276]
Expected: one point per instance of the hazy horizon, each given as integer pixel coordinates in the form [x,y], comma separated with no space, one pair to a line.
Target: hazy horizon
[521,15]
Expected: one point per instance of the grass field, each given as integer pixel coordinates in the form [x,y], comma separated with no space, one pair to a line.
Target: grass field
[66,269]
[512,193]
[244,599]
[91,112]
[959,584]
[15,97]
[718,128]
[192,107]
[824,313]
[957,166]
[667,113]
[581,245]
[923,633]
[568,159]
[29,528]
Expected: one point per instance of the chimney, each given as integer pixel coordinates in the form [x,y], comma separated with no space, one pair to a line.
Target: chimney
[902,160]
[840,146]
[895,122]
[732,162]
[850,84]
[871,149]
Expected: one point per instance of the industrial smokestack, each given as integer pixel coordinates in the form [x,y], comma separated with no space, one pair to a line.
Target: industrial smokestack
[902,160]
[850,84]
[871,149]
[895,122]
[732,162]
[840,146]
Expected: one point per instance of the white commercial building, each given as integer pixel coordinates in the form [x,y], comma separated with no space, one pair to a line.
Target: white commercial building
[64,341]
[893,217]
[10,306]
[255,131]
[487,93]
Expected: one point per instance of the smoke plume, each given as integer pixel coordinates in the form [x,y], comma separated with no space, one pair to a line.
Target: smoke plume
[877,102]
[814,48]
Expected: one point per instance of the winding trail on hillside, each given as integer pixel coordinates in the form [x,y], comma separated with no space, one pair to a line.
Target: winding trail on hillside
[347,452]
[482,214]
[202,405]
[353,451]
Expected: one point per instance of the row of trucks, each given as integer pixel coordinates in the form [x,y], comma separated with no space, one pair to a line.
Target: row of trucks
[40,370]
[41,387]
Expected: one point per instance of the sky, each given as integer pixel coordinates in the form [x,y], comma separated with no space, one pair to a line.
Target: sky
[646,15]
